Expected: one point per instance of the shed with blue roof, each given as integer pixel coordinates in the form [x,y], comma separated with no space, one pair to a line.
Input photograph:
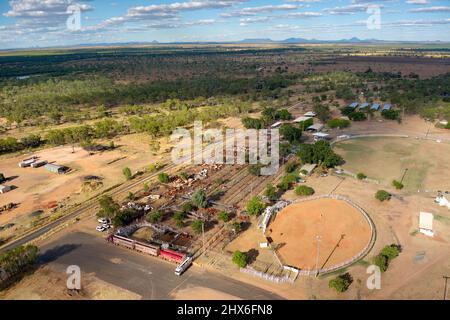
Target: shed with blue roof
[354,105]
[375,106]
[387,106]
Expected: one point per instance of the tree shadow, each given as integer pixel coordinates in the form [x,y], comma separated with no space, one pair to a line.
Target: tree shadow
[252,254]
[56,252]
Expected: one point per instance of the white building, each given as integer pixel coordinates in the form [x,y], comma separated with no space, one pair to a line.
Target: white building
[442,201]
[426,223]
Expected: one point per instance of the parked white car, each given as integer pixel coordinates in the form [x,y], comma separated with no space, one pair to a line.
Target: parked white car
[100,228]
[103,220]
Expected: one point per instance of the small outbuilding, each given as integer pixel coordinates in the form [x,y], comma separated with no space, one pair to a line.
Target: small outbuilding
[310,114]
[363,106]
[315,127]
[426,223]
[308,168]
[55,168]
[321,136]
[375,107]
[4,189]
[276,124]
[387,106]
[354,105]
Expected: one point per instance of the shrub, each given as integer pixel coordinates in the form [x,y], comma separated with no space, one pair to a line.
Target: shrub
[255,170]
[390,252]
[179,218]
[304,191]
[287,181]
[146,187]
[236,227]
[255,206]
[391,114]
[338,123]
[197,226]
[240,259]
[341,283]
[198,199]
[291,166]
[187,207]
[163,177]
[2,178]
[284,114]
[290,133]
[271,192]
[381,262]
[154,216]
[397,184]
[361,176]
[224,216]
[382,195]
[127,173]
[357,116]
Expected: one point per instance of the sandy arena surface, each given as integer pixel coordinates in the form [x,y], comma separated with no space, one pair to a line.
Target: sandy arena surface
[343,230]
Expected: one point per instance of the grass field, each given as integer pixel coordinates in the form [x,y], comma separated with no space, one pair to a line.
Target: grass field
[426,163]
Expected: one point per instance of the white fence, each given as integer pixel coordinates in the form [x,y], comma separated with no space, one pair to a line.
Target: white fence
[269,277]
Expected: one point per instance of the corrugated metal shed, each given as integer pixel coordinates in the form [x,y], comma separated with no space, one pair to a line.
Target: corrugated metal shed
[354,105]
[315,127]
[310,114]
[375,106]
[387,106]
[301,119]
[55,168]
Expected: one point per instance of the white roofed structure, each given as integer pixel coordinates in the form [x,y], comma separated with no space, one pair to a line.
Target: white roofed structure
[301,119]
[426,223]
[315,127]
[310,114]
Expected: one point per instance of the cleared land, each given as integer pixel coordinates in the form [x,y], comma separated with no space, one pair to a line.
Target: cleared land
[343,231]
[427,163]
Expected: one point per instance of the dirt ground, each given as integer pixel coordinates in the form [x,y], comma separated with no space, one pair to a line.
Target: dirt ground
[343,231]
[46,284]
[35,188]
[427,162]
[202,293]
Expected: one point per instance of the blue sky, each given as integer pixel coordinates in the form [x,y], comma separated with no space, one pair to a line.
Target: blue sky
[32,23]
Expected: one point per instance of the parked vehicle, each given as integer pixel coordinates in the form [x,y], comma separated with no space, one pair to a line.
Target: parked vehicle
[183,266]
[100,228]
[103,220]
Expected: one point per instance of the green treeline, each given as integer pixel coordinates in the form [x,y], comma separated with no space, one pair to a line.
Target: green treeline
[14,262]
[19,103]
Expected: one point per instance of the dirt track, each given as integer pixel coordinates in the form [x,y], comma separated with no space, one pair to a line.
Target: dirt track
[295,229]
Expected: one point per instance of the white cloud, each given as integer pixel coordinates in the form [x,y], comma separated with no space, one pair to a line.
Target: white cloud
[417,2]
[252,11]
[431,9]
[350,9]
